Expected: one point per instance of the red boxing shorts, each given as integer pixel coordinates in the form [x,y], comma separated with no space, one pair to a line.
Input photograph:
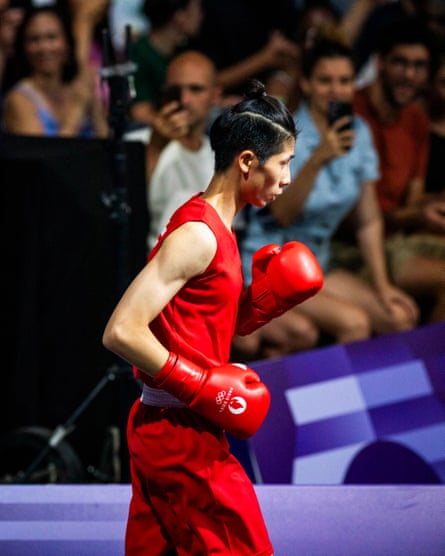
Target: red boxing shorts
[189,493]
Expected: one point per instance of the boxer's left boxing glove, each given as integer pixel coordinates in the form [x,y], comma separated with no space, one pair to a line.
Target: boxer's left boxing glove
[231,396]
[282,277]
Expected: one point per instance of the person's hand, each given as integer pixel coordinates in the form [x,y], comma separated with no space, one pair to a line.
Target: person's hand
[393,297]
[82,88]
[279,51]
[92,10]
[336,142]
[433,215]
[171,122]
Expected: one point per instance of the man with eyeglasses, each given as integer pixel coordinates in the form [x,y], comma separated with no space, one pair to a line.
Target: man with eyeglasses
[400,128]
[399,125]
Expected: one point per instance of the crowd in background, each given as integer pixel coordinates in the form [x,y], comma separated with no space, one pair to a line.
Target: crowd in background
[369,201]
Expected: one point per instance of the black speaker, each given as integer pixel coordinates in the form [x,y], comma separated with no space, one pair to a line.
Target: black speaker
[62,260]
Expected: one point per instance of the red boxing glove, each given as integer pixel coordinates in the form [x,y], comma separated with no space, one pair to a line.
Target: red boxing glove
[232,396]
[281,278]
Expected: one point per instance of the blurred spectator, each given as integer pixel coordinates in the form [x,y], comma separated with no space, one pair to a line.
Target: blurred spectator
[172,23]
[50,97]
[334,171]
[185,165]
[247,38]
[401,133]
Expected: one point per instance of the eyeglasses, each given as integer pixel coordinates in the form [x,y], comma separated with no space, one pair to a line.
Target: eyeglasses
[399,63]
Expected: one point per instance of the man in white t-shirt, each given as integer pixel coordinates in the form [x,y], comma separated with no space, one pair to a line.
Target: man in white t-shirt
[185,165]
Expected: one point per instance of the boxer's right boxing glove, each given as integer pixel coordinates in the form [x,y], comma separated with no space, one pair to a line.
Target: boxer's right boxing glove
[282,277]
[232,396]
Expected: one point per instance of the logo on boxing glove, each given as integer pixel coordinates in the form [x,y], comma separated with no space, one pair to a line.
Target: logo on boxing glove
[236,404]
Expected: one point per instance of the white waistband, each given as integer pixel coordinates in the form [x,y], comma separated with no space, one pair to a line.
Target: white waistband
[159,398]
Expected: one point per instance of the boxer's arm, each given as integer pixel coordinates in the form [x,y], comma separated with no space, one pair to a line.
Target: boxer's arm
[127,332]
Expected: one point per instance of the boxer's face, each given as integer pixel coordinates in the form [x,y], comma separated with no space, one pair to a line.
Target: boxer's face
[264,182]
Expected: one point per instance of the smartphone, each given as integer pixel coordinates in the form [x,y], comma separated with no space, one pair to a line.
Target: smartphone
[171,93]
[337,109]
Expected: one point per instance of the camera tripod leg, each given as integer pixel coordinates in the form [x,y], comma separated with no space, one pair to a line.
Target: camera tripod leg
[61,431]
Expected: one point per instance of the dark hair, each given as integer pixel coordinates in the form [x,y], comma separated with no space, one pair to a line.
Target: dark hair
[324,48]
[260,123]
[160,12]
[19,62]
[405,31]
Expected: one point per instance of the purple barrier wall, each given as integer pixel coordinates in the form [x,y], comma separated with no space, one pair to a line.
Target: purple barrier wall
[366,412]
[79,520]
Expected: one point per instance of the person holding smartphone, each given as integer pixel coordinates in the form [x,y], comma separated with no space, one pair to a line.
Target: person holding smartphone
[334,172]
[185,165]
